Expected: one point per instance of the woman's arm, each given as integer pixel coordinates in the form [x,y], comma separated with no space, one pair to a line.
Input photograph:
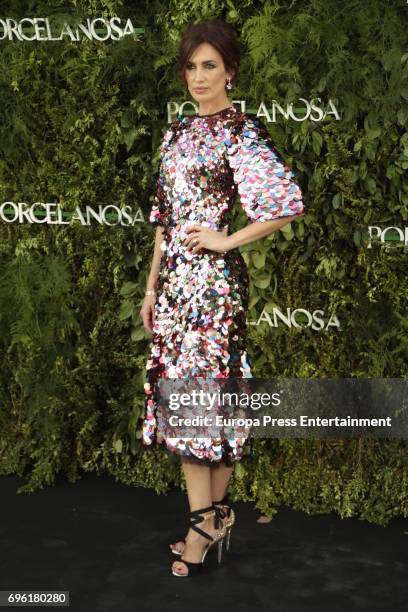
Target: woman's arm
[147,310]
[255,231]
[157,253]
[199,237]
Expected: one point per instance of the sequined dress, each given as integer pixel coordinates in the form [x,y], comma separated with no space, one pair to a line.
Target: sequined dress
[206,162]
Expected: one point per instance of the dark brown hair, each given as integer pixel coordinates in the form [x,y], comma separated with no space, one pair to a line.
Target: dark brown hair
[219,34]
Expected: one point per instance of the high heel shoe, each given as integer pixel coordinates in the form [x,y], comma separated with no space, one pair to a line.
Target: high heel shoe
[220,513]
[196,517]
[227,514]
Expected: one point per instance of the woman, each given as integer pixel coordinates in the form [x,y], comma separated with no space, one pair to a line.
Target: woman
[197,290]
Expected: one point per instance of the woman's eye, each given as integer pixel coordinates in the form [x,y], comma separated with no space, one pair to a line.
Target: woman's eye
[189,67]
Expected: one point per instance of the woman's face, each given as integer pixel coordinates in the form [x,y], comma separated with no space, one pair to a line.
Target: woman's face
[206,75]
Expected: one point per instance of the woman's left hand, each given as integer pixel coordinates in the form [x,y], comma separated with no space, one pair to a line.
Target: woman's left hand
[200,237]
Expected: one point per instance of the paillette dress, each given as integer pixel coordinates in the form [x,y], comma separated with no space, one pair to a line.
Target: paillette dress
[206,161]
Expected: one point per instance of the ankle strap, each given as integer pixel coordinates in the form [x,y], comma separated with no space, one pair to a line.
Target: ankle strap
[196,517]
[219,512]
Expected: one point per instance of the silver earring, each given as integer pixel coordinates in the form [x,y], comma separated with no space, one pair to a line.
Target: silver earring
[229,85]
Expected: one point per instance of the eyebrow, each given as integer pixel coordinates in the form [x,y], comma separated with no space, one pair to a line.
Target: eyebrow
[204,62]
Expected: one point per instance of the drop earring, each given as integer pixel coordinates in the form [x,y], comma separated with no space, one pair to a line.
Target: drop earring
[229,85]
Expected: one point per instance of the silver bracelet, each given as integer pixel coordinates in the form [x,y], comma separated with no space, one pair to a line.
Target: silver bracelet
[150,292]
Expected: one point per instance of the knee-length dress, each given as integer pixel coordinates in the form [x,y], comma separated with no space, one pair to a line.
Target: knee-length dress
[199,328]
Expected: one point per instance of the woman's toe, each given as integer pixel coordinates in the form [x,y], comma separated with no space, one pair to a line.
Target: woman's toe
[179,567]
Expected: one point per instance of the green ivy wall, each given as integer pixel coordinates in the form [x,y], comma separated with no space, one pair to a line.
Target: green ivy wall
[81,123]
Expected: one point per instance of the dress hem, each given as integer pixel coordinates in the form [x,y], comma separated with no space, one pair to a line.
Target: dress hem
[225,459]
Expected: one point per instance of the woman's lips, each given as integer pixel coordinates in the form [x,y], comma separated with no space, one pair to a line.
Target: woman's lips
[199,89]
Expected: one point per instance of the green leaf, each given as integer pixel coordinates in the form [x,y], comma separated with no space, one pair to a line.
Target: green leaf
[362,169]
[286,229]
[262,280]
[269,306]
[337,200]
[258,260]
[282,246]
[370,184]
[373,133]
[125,310]
[140,333]
[402,116]
[247,258]
[129,137]
[357,238]
[255,297]
[317,142]
[129,289]
[126,119]
[118,445]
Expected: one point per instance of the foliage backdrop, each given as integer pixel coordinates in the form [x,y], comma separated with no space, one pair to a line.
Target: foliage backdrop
[81,125]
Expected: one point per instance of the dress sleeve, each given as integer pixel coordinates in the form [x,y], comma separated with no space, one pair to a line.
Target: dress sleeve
[266,185]
[159,209]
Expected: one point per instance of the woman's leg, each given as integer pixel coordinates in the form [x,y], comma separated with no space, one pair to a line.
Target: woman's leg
[220,477]
[198,481]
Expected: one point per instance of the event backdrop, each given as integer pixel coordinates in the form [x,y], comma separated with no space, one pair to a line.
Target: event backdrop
[83,109]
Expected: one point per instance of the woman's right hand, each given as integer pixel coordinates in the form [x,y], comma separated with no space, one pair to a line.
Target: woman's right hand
[147,312]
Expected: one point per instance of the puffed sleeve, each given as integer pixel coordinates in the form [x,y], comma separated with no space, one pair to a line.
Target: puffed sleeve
[159,209]
[266,186]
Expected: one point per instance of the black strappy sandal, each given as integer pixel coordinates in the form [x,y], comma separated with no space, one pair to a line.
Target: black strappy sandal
[196,517]
[219,513]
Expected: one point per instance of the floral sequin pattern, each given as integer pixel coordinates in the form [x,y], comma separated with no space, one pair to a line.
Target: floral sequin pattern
[199,325]
[265,184]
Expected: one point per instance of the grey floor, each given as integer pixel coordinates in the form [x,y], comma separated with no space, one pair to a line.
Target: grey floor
[107,544]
